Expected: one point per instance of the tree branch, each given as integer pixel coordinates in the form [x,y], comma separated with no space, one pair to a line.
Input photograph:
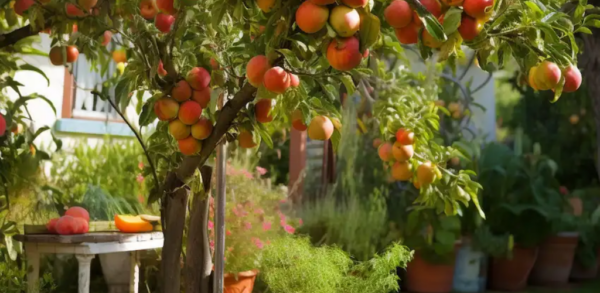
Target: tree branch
[17,35]
[228,114]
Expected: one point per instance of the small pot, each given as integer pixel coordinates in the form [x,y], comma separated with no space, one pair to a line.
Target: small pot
[511,274]
[469,271]
[244,283]
[555,261]
[425,277]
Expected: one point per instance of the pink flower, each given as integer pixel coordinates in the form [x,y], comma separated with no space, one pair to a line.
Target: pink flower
[211,225]
[563,190]
[258,243]
[282,201]
[247,225]
[289,229]
[236,212]
[139,178]
[141,198]
[266,226]
[141,165]
[300,222]
[228,233]
[259,211]
[247,174]
[282,223]
[212,244]
[261,170]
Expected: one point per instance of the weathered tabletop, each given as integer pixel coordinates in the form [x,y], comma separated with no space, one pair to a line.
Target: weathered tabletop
[99,237]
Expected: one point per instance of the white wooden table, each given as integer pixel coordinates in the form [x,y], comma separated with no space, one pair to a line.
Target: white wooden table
[85,247]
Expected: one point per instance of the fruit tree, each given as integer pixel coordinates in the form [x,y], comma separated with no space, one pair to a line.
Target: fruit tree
[291,60]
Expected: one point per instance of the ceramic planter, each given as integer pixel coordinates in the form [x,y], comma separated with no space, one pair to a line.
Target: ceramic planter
[469,271]
[240,283]
[555,260]
[425,277]
[511,274]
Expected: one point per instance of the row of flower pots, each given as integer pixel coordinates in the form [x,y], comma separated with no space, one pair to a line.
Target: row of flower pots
[551,264]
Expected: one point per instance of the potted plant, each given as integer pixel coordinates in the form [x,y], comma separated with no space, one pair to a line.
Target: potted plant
[435,239]
[518,202]
[254,218]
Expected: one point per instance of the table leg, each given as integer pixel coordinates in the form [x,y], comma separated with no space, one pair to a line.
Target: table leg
[134,275]
[33,267]
[85,262]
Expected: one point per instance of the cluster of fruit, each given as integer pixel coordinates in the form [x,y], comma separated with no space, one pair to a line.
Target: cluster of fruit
[407,23]
[162,11]
[75,221]
[401,152]
[184,110]
[275,79]
[547,75]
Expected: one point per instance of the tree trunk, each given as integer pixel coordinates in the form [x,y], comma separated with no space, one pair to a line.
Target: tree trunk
[198,263]
[175,211]
[590,61]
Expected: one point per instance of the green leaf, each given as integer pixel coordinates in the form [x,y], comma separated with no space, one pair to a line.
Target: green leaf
[147,115]
[434,28]
[264,134]
[452,20]
[348,83]
[291,57]
[23,100]
[584,30]
[370,27]
[122,90]
[537,12]
[35,69]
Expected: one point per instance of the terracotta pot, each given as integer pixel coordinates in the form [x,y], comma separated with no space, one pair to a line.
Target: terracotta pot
[425,277]
[244,283]
[555,261]
[512,274]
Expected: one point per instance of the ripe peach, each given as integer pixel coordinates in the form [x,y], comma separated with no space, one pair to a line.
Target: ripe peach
[166,6]
[119,56]
[377,142]
[189,112]
[148,9]
[531,77]
[246,140]
[166,109]
[547,75]
[72,54]
[277,80]
[189,146]
[344,20]
[311,17]
[298,121]
[202,129]
[572,79]
[87,4]
[405,137]
[57,53]
[182,91]
[469,28]
[402,153]
[478,9]
[355,3]
[106,38]
[425,173]
[401,171]
[262,110]
[202,97]
[398,14]
[179,130]
[322,2]
[344,54]
[163,22]
[198,78]
[73,11]
[2,125]
[294,80]
[385,152]
[266,5]
[67,225]
[161,69]
[51,225]
[408,35]
[83,226]
[256,69]
[320,128]
[78,212]
[22,5]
